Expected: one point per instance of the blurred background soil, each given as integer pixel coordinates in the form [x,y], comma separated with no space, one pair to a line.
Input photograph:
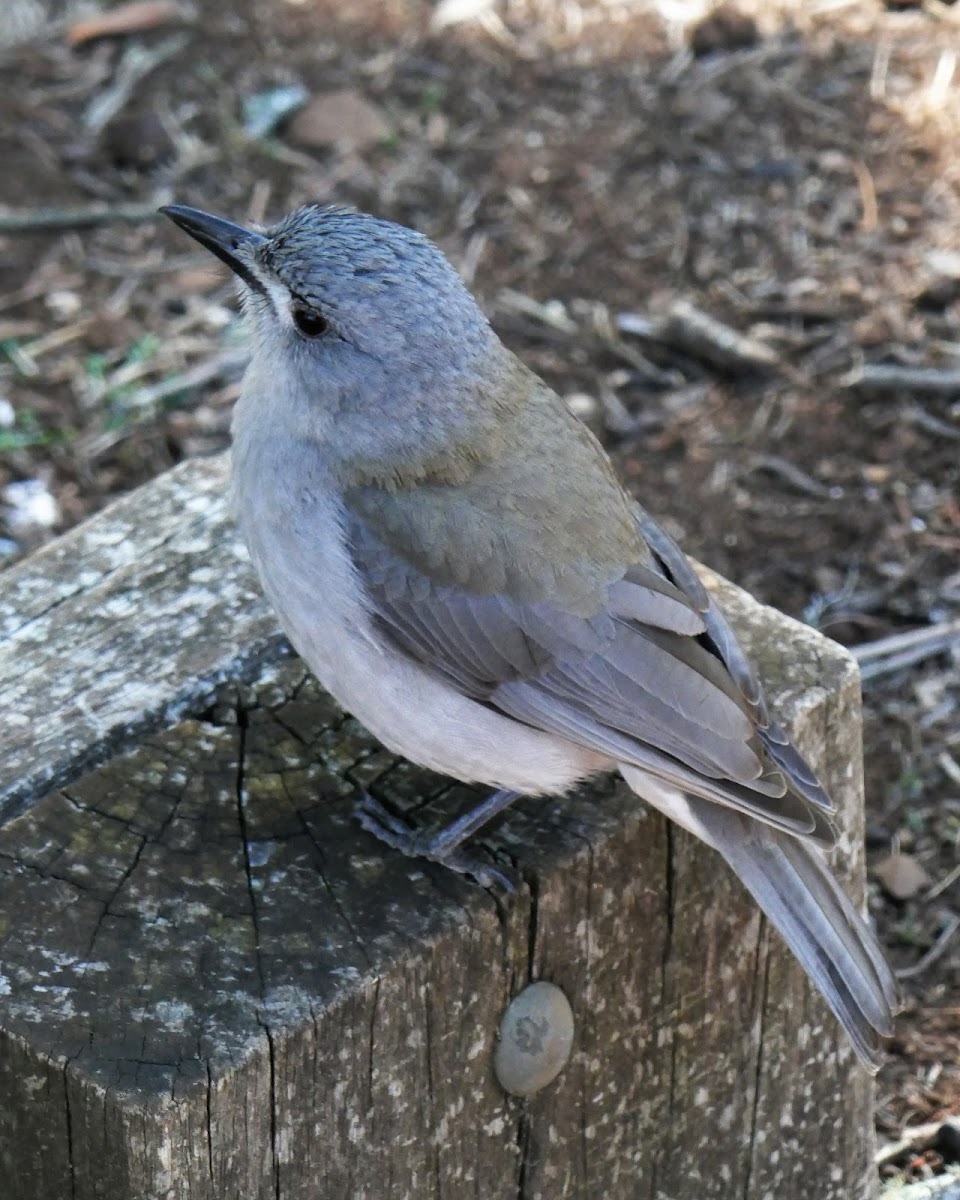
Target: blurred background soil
[729,236]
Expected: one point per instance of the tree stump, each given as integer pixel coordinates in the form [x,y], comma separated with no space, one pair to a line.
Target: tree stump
[214,984]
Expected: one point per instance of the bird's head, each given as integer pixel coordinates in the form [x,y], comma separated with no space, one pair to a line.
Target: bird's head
[359,321]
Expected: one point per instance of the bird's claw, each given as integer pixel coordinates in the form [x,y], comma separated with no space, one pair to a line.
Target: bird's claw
[388,828]
[375,818]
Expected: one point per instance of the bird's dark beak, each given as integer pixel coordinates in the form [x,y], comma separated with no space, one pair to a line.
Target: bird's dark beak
[222,238]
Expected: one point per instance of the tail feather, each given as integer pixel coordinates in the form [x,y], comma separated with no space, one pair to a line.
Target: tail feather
[791,888]
[791,882]
[813,875]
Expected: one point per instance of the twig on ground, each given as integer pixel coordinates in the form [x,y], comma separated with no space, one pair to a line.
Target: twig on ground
[868,195]
[790,473]
[606,329]
[891,377]
[126,19]
[904,649]
[684,328]
[56,338]
[915,1138]
[553,314]
[76,217]
[924,420]
[147,399]
[945,631]
[151,264]
[137,62]
[12,329]
[936,951]
[713,342]
[588,321]
[947,881]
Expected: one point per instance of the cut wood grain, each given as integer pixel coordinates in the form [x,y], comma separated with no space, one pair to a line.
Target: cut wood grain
[214,985]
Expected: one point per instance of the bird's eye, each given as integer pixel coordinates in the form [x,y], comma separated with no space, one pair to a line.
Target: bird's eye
[310,323]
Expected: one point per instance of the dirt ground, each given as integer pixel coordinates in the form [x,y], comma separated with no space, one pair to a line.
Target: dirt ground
[604,173]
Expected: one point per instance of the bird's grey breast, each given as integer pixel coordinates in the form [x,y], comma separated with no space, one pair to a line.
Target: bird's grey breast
[292,520]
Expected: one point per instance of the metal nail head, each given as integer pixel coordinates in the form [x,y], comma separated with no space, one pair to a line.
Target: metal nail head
[535,1039]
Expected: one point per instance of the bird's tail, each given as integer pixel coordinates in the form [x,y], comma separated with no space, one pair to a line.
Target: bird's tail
[791,882]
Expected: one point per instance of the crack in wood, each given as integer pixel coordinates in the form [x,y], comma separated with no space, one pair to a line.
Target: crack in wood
[523,1150]
[429,1028]
[372,1044]
[263,952]
[68,1116]
[242,727]
[762,978]
[209,1115]
[331,892]
[134,863]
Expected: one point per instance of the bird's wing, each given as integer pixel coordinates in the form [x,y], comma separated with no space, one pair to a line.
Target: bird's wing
[646,670]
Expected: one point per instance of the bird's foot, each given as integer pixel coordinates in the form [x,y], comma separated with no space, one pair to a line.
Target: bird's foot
[444,847]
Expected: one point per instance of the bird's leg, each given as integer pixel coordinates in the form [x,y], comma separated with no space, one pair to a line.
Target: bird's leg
[444,846]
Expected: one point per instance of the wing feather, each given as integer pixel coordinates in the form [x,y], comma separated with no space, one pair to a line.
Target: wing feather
[654,677]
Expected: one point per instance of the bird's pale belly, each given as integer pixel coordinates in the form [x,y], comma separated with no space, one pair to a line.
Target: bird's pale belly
[315,591]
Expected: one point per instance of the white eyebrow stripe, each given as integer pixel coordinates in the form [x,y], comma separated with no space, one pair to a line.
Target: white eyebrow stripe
[279,298]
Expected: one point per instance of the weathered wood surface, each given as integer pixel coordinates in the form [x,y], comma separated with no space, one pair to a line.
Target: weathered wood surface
[121,626]
[214,985]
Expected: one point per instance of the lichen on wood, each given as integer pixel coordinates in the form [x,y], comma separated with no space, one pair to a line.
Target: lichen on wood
[214,984]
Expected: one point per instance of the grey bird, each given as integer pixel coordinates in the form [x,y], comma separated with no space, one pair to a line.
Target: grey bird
[451,552]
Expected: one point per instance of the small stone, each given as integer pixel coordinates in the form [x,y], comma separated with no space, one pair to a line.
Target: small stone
[724,30]
[264,111]
[938,294]
[901,876]
[943,262]
[137,141]
[63,303]
[30,506]
[947,1141]
[338,119]
[109,332]
[437,128]
[457,12]
[582,405]
[534,1040]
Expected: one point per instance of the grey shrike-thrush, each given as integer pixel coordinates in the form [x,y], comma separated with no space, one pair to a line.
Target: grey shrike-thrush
[451,552]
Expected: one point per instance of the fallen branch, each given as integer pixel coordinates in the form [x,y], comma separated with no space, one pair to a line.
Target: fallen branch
[137,62]
[790,473]
[945,630]
[904,649]
[890,377]
[948,880]
[75,218]
[924,420]
[684,327]
[711,341]
[917,1137]
[592,322]
[125,19]
[936,951]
